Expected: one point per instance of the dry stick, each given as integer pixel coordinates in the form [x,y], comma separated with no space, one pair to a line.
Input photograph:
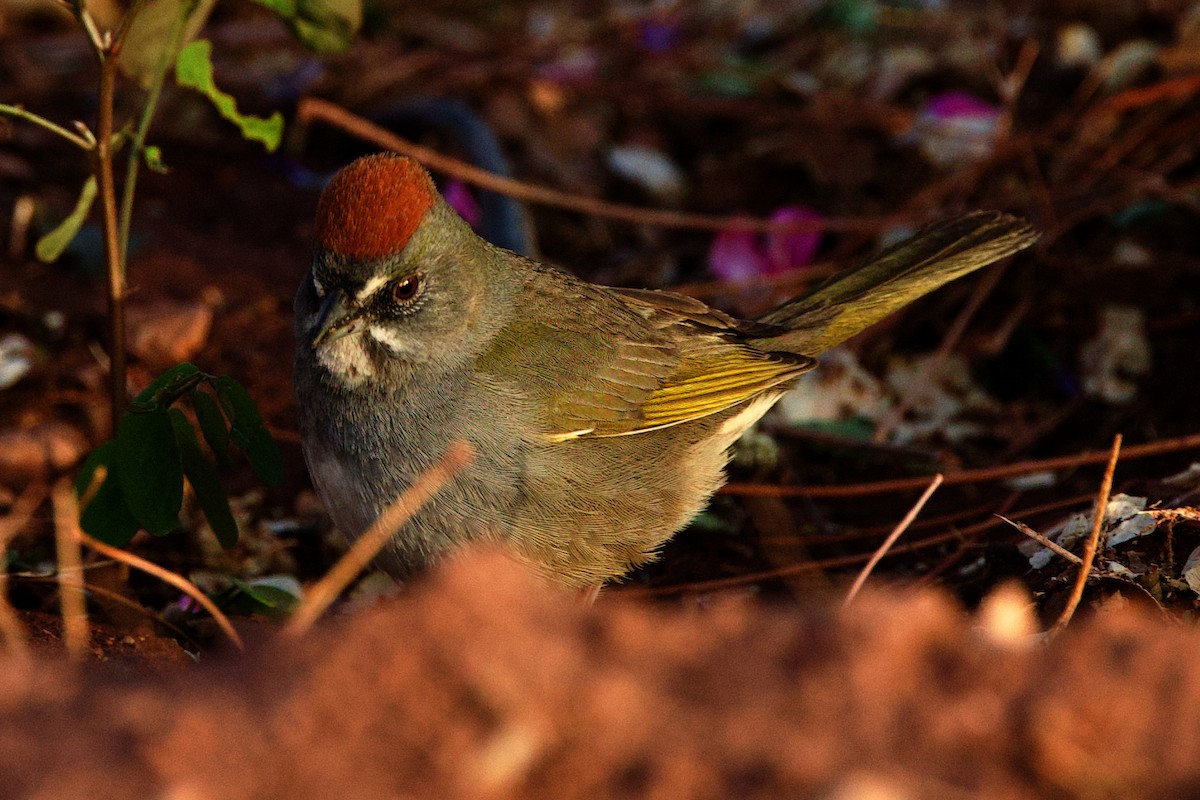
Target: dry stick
[18,517]
[835,562]
[968,476]
[165,575]
[311,108]
[1043,540]
[71,599]
[1089,549]
[900,528]
[365,548]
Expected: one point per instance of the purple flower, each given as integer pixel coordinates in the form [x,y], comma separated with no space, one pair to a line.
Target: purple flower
[741,254]
[459,197]
[796,249]
[959,104]
[737,255]
[955,129]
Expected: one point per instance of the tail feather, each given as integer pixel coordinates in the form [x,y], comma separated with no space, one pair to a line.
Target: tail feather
[853,300]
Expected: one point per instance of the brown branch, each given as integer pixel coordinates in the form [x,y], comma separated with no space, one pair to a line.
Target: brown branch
[1089,549]
[102,165]
[967,476]
[312,108]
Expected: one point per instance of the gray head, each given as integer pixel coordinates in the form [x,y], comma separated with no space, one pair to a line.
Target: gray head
[399,285]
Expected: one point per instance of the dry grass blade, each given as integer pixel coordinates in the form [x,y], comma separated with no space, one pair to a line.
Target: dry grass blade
[1089,549]
[900,528]
[71,597]
[18,517]
[178,581]
[367,546]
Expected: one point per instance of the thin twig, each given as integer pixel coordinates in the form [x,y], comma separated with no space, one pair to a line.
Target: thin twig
[18,516]
[71,597]
[102,166]
[367,546]
[837,562]
[138,145]
[19,112]
[900,528]
[1146,450]
[311,108]
[79,7]
[1043,540]
[1089,549]
[178,581]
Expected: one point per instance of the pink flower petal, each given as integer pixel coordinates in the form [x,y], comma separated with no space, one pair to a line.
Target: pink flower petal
[959,104]
[737,255]
[791,250]
[459,197]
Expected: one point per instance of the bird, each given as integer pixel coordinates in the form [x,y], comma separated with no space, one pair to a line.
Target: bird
[601,418]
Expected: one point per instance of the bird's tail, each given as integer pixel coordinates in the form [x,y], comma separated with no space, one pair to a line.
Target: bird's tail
[857,298]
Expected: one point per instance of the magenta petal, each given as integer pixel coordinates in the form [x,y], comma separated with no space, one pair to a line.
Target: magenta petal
[959,104]
[791,250]
[737,255]
[459,197]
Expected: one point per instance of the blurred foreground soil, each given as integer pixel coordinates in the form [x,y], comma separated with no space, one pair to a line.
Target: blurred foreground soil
[481,684]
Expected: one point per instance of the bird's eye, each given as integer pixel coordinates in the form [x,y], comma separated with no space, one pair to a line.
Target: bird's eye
[405,289]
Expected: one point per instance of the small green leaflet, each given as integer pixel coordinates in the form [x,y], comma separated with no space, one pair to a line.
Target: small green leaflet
[206,484]
[52,245]
[194,69]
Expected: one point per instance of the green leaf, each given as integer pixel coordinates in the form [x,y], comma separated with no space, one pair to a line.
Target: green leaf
[202,475]
[284,8]
[168,387]
[153,30]
[323,26]
[52,245]
[106,516]
[148,467]
[213,426]
[280,592]
[248,431]
[152,155]
[194,69]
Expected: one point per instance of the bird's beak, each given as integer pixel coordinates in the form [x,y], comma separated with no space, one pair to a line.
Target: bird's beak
[335,318]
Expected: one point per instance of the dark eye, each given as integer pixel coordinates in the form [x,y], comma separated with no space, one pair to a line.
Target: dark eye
[405,289]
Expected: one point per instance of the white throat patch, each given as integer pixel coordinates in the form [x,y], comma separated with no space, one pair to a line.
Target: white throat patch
[394,342]
[347,358]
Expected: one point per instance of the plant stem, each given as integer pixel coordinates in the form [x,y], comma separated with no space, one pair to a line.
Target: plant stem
[170,51]
[114,265]
[19,112]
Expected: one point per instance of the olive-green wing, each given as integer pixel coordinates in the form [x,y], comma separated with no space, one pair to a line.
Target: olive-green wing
[643,369]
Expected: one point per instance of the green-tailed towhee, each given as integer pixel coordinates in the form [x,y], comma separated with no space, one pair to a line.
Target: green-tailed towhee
[600,417]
